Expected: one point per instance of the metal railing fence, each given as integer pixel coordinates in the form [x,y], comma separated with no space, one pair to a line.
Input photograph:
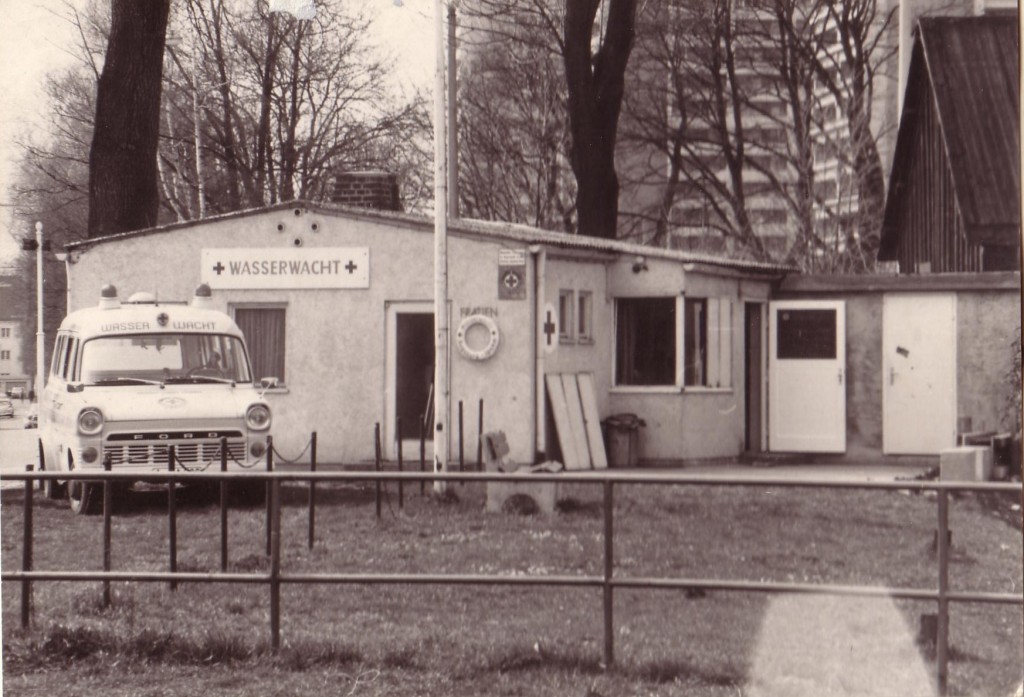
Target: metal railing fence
[607,581]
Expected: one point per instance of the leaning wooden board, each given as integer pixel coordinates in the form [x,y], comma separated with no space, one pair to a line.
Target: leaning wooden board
[579,429]
[559,409]
[592,421]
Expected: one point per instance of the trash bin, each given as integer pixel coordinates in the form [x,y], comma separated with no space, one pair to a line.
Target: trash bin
[622,442]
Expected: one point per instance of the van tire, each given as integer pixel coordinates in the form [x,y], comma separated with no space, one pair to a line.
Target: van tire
[52,489]
[85,498]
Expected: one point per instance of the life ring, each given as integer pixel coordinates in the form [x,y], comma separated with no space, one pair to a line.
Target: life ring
[484,352]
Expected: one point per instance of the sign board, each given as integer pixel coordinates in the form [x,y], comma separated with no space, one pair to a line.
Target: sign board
[511,274]
[286,267]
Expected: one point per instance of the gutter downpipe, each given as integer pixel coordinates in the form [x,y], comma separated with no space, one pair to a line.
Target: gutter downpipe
[539,294]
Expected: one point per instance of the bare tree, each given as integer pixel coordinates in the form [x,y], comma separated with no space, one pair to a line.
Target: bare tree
[596,84]
[123,191]
[735,106]
[513,129]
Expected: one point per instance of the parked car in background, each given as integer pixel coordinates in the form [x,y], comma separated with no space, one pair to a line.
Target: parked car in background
[32,418]
[6,408]
[17,393]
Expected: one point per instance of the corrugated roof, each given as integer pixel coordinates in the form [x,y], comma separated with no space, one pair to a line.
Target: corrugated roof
[477,228]
[972,67]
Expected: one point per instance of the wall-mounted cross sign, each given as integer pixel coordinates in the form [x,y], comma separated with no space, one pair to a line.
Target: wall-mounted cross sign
[549,328]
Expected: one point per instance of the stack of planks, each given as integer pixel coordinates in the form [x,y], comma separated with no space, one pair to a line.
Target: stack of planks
[574,407]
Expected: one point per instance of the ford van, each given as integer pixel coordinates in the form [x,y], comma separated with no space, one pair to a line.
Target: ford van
[130,379]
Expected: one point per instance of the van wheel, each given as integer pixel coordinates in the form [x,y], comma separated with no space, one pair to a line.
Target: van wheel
[52,489]
[85,498]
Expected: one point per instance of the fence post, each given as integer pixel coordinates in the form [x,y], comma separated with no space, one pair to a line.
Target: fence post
[223,506]
[172,517]
[312,490]
[275,565]
[609,563]
[108,510]
[26,551]
[401,468]
[462,457]
[266,494]
[376,460]
[423,454]
[480,438]
[942,629]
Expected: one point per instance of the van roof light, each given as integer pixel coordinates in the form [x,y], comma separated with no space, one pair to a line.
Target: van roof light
[203,297]
[108,297]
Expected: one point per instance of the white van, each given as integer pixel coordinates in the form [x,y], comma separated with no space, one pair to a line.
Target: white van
[130,379]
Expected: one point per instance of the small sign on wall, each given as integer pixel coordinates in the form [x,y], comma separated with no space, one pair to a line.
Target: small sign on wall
[512,274]
[284,267]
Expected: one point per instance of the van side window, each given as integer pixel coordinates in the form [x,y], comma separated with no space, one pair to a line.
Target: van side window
[70,361]
[58,353]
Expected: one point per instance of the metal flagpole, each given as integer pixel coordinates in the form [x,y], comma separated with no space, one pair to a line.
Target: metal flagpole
[441,395]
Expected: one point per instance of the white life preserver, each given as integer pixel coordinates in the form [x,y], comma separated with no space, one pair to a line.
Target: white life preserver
[484,352]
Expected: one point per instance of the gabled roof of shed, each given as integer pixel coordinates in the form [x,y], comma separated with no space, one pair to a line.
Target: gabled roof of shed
[495,230]
[969,66]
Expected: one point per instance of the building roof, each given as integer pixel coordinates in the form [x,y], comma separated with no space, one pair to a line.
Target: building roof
[971,69]
[510,232]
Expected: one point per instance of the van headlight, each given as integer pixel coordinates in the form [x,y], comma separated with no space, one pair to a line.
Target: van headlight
[90,421]
[257,417]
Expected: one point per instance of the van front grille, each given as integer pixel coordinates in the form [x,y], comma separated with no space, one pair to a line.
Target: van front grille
[154,448]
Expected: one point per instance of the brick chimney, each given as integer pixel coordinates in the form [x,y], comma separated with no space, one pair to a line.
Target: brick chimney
[376,190]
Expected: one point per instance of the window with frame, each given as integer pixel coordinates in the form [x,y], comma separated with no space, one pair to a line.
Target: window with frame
[584,316]
[566,300]
[5,332]
[265,332]
[707,342]
[5,355]
[645,341]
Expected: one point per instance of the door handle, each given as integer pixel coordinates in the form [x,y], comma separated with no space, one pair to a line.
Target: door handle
[892,376]
[840,376]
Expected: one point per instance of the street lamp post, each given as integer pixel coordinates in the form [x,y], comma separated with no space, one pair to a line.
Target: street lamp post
[40,332]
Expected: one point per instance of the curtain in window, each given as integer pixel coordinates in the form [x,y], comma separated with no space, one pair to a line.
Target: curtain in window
[625,342]
[264,331]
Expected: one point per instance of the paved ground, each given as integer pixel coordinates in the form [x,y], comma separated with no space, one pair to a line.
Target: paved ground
[17,444]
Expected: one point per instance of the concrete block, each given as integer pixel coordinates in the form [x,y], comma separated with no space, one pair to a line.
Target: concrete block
[545,494]
[970,463]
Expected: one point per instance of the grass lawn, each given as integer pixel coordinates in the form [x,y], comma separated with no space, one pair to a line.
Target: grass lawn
[466,640]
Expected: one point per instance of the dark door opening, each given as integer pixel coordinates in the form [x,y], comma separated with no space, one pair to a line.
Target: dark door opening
[414,373]
[753,376]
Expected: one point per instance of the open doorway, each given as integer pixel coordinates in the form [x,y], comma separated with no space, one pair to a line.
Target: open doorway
[410,375]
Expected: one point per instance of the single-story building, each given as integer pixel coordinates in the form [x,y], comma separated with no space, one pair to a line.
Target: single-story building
[337,303]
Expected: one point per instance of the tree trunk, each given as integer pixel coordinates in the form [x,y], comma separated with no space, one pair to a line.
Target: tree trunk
[595,85]
[123,183]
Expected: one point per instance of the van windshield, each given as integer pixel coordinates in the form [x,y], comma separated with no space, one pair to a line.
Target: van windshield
[163,358]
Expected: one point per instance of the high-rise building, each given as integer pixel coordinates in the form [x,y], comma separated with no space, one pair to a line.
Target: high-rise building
[779,130]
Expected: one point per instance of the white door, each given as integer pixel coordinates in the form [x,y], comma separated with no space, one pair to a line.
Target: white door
[807,376]
[918,373]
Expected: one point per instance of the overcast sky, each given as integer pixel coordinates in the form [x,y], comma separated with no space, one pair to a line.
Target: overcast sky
[33,37]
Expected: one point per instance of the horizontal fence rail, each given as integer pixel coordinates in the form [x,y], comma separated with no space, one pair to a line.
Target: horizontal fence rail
[607,581]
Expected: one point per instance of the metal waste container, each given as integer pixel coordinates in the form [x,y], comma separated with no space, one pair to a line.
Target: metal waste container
[622,440]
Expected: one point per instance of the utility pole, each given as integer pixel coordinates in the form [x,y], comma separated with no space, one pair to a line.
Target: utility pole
[441,396]
[453,124]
